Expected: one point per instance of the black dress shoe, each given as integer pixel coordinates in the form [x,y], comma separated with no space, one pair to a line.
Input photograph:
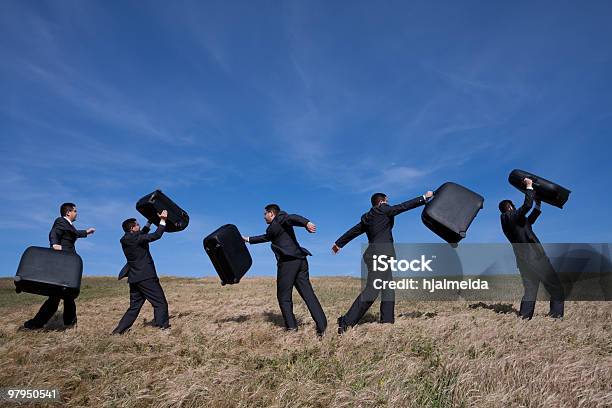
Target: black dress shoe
[71,324]
[31,325]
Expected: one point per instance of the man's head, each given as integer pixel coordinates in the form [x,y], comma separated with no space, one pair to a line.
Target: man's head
[505,206]
[271,211]
[130,225]
[378,198]
[69,211]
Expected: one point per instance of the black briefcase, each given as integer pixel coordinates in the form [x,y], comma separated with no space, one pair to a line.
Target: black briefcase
[45,271]
[154,203]
[451,211]
[228,253]
[545,190]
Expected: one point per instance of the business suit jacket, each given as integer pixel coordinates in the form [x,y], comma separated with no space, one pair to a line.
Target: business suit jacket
[517,228]
[280,232]
[140,265]
[378,222]
[65,234]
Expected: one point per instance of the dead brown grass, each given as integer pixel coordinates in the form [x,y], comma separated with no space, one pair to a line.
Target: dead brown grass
[226,349]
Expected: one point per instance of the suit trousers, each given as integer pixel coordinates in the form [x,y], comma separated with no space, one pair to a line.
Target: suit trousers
[294,272]
[150,290]
[533,272]
[369,294]
[48,309]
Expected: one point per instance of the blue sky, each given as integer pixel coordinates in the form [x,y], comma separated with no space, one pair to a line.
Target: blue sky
[227,106]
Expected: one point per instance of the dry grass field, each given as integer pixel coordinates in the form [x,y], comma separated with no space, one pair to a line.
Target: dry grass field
[226,348]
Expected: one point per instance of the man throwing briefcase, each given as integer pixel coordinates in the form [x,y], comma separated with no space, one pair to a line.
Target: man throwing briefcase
[533,263]
[292,266]
[141,273]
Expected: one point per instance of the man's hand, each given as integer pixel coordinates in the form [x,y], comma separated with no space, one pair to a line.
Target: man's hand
[310,227]
[90,231]
[428,194]
[163,215]
[57,247]
[528,182]
[246,239]
[335,249]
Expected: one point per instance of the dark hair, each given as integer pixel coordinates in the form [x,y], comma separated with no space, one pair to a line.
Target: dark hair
[64,208]
[503,205]
[273,208]
[128,224]
[377,198]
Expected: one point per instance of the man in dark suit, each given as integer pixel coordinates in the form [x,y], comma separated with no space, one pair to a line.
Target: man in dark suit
[62,237]
[533,264]
[378,225]
[292,266]
[141,273]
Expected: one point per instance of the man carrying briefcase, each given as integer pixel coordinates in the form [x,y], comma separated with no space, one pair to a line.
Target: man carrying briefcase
[62,237]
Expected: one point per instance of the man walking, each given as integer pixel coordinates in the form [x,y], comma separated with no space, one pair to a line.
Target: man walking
[377,223]
[62,237]
[292,266]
